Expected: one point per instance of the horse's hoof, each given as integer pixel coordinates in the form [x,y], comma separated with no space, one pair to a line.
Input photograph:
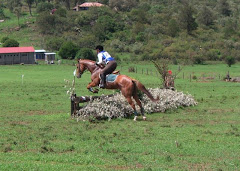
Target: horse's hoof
[95,91]
[144,118]
[135,118]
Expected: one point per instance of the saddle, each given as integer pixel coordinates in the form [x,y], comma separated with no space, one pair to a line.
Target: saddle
[111,77]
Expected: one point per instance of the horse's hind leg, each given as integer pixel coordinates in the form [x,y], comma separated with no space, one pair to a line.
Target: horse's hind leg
[129,99]
[135,96]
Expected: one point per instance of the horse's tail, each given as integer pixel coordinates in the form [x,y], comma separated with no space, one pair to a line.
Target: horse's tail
[141,87]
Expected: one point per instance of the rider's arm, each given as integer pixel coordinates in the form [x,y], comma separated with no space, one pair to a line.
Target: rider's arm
[99,58]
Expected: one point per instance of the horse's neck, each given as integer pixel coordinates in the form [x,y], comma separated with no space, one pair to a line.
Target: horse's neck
[91,67]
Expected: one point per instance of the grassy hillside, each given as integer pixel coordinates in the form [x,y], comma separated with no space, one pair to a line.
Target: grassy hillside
[195,30]
[28,34]
[37,133]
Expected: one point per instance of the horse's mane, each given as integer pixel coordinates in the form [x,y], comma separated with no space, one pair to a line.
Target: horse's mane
[86,60]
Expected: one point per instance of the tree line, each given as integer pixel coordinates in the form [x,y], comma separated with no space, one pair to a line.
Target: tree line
[140,29]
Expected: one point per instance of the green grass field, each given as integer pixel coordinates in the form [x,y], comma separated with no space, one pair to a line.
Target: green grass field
[37,132]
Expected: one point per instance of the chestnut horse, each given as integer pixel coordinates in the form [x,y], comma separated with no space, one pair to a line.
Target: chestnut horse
[125,84]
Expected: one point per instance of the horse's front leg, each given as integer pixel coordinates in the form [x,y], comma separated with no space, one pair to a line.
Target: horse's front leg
[90,87]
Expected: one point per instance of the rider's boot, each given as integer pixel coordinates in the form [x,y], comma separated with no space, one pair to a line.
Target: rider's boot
[102,81]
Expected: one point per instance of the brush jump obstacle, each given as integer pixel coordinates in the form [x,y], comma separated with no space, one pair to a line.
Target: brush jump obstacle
[116,106]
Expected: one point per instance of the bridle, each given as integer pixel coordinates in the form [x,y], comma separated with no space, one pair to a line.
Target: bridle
[79,69]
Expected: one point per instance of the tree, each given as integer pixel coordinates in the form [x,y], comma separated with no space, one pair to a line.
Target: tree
[139,16]
[67,3]
[29,3]
[205,16]
[61,12]
[10,43]
[68,50]
[231,27]
[44,6]
[11,4]
[46,23]
[103,28]
[85,53]
[17,11]
[2,15]
[230,60]
[187,21]
[54,43]
[52,24]
[173,28]
[122,5]
[224,8]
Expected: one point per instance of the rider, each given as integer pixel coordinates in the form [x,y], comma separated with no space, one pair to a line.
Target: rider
[105,58]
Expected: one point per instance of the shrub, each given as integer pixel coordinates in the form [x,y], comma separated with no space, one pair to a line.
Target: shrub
[117,45]
[137,48]
[61,12]
[2,15]
[87,41]
[131,69]
[10,43]
[230,60]
[44,6]
[194,77]
[85,53]
[68,50]
[54,43]
[198,59]
[213,54]
[4,39]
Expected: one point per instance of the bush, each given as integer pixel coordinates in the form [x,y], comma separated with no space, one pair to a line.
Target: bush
[131,69]
[61,12]
[87,41]
[2,15]
[10,43]
[198,59]
[85,53]
[54,43]
[44,6]
[213,54]
[4,39]
[230,60]
[68,50]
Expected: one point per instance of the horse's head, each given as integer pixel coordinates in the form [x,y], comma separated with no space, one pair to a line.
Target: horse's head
[80,69]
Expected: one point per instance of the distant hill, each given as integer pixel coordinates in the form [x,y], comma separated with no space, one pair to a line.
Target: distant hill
[135,30]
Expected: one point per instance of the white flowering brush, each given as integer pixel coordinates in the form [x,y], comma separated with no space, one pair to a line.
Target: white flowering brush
[117,106]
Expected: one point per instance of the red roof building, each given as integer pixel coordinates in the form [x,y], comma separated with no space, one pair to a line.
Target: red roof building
[87,5]
[17,55]
[17,49]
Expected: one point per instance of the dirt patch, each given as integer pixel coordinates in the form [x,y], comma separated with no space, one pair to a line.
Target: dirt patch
[137,166]
[38,112]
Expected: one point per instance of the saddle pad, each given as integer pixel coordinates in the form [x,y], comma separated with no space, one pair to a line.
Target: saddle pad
[111,77]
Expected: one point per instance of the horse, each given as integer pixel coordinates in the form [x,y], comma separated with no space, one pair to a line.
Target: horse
[125,84]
